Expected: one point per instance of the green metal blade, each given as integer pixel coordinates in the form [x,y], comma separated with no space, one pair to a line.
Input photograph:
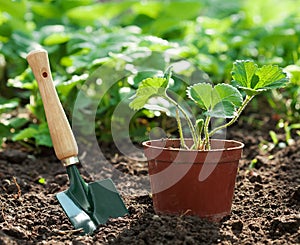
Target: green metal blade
[107,203]
[77,216]
[88,205]
[78,190]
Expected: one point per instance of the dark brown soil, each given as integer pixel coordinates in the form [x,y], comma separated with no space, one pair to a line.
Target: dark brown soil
[265,208]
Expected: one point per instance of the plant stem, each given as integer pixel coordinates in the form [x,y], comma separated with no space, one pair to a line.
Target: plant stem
[199,127]
[190,124]
[206,133]
[233,120]
[182,142]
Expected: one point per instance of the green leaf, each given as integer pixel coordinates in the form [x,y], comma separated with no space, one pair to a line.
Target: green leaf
[274,137]
[46,10]
[42,181]
[219,101]
[25,134]
[43,136]
[40,133]
[4,131]
[8,104]
[201,93]
[226,93]
[17,122]
[86,15]
[43,139]
[243,72]
[14,12]
[56,38]
[270,77]
[223,109]
[254,80]
[148,88]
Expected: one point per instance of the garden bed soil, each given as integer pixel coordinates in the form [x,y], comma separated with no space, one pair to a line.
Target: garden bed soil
[265,208]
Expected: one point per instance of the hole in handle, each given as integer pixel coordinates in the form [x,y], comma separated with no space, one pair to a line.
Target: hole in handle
[45,74]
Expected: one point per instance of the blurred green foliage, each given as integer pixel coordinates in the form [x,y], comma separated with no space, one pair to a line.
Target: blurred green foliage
[134,39]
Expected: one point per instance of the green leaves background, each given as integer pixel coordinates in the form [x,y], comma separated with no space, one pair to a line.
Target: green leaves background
[82,35]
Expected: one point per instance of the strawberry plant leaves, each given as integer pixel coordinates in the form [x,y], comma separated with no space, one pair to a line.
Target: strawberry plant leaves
[253,80]
[223,109]
[270,77]
[218,101]
[243,72]
[201,94]
[226,93]
[148,88]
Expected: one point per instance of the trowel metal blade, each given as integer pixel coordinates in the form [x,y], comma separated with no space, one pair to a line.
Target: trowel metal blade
[107,202]
[77,216]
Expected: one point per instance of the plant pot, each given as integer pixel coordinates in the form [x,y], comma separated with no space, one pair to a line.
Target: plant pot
[193,182]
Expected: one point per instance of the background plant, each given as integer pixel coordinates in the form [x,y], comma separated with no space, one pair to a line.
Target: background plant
[81,36]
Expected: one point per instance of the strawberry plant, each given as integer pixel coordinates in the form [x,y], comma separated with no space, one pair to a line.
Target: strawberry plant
[221,101]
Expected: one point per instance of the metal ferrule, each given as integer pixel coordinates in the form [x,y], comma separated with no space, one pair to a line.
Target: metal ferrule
[70,161]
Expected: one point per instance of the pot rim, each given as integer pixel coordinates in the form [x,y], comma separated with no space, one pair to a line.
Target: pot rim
[239,145]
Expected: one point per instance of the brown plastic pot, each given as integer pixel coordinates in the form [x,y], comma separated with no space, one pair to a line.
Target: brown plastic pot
[193,182]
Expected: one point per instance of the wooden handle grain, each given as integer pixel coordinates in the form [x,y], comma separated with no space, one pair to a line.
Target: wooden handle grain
[62,136]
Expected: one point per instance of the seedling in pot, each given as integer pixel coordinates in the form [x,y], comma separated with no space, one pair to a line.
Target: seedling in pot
[220,101]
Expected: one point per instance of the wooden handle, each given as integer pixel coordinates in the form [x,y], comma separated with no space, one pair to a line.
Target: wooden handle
[62,136]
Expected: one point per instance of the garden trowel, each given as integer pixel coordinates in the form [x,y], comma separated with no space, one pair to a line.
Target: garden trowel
[86,204]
